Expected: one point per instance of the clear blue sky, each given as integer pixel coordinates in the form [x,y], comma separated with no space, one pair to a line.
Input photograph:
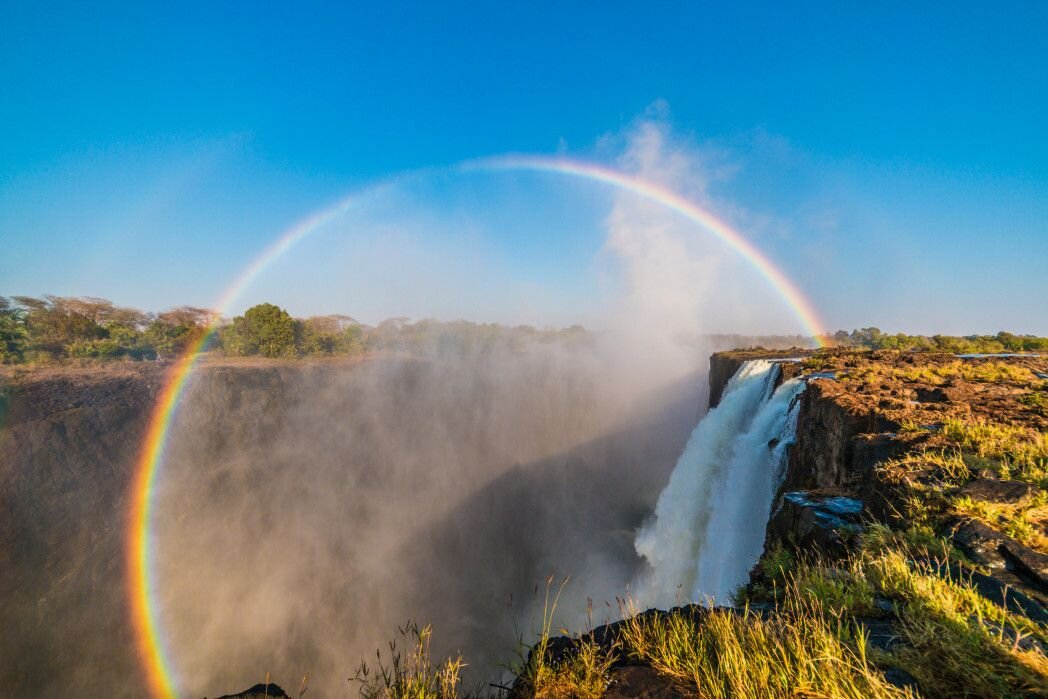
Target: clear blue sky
[895,156]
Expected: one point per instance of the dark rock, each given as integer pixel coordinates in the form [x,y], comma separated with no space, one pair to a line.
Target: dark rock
[931,395]
[996,490]
[1026,562]
[999,552]
[839,445]
[807,520]
[979,541]
[1002,588]
[640,682]
[880,633]
[900,678]
[259,691]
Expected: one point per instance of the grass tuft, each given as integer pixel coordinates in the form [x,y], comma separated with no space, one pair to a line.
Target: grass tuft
[410,673]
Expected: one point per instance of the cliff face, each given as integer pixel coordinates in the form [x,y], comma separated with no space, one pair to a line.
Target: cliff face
[305,509]
[67,448]
[872,437]
[839,445]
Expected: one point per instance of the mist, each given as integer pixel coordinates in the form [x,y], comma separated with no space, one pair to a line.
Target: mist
[306,509]
[305,512]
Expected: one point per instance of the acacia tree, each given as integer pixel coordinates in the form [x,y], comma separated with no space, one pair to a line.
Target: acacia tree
[174,330]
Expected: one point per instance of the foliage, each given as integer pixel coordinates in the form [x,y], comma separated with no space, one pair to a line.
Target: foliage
[982,371]
[330,335]
[723,653]
[270,330]
[1016,452]
[14,335]
[410,673]
[954,641]
[580,674]
[55,328]
[873,338]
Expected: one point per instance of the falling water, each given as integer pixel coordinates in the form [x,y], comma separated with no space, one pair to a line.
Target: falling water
[709,523]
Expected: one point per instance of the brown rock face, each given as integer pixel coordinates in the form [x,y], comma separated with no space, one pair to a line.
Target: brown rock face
[994,490]
[839,443]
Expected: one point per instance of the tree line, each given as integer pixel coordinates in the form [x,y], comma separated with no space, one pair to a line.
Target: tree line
[54,328]
[874,339]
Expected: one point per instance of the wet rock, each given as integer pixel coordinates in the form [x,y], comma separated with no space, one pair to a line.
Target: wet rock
[979,541]
[808,520]
[259,691]
[640,682]
[996,490]
[829,375]
[997,551]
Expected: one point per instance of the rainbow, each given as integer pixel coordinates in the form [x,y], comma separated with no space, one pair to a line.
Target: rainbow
[800,305]
[154,658]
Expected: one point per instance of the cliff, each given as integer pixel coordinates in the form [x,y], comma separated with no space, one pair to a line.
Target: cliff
[304,509]
[723,366]
[910,528]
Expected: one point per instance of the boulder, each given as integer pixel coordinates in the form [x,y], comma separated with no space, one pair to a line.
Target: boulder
[259,691]
[996,490]
[805,519]
[640,682]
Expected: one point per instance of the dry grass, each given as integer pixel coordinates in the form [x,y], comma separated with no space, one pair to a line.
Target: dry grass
[939,374]
[1022,452]
[1023,522]
[796,653]
[582,674]
[410,673]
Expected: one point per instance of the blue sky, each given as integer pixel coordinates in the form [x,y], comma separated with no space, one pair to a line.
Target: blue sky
[892,160]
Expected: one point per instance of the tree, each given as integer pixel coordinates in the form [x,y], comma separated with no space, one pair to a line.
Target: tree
[14,336]
[269,330]
[172,331]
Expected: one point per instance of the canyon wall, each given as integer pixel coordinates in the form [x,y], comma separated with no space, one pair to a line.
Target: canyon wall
[304,510]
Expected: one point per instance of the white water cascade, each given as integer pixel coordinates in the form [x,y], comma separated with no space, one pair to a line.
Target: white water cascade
[709,523]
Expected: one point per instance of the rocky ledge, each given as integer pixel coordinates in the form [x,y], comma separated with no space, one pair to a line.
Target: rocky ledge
[913,516]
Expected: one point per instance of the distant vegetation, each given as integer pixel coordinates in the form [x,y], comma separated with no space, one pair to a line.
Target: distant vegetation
[873,338]
[55,328]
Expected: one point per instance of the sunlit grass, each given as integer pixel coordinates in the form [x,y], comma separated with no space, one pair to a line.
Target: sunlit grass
[939,374]
[409,673]
[1021,521]
[581,674]
[955,642]
[797,652]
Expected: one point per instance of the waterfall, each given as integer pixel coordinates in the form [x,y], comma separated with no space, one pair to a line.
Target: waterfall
[709,522]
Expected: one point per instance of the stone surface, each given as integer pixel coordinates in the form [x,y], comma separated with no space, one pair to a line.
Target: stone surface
[259,691]
[808,520]
[640,682]
[995,490]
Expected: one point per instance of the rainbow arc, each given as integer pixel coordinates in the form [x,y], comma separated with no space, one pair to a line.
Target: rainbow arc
[154,656]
